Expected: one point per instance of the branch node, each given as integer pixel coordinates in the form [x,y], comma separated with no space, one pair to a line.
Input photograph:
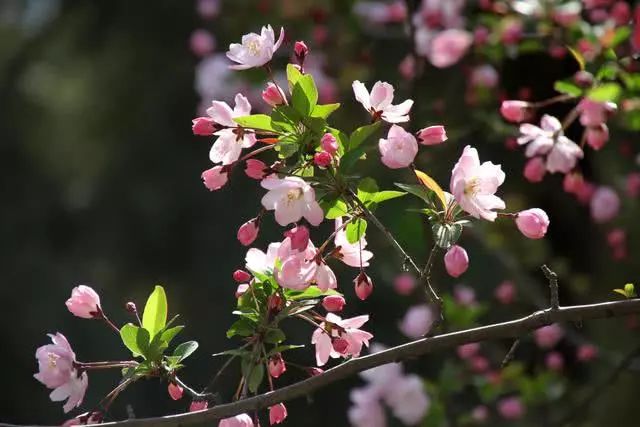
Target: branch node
[553,286]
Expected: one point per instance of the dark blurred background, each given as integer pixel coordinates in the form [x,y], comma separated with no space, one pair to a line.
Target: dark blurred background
[100,179]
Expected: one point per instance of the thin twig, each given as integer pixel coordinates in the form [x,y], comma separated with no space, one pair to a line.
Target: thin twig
[511,353]
[553,286]
[510,329]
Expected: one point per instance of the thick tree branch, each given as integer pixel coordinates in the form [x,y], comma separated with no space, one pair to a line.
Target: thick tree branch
[511,329]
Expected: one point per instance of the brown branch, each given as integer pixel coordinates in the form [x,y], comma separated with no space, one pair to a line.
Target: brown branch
[505,330]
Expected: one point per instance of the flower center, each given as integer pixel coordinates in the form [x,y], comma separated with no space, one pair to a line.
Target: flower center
[293,195]
[53,360]
[254,47]
[472,187]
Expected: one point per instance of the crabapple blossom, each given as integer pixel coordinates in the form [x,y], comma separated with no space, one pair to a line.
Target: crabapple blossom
[404,283]
[299,237]
[456,261]
[474,185]
[232,139]
[540,140]
[215,178]
[175,391]
[514,111]
[598,136]
[241,276]
[202,42]
[464,295]
[593,113]
[408,399]
[535,169]
[301,51]
[325,278]
[480,414]
[632,184]
[505,293]
[273,95]
[533,223]
[449,46]
[352,254]
[276,365]
[329,143]
[467,351]
[73,391]
[587,352]
[554,361]
[203,126]
[242,420]
[485,76]
[277,414]
[605,204]
[241,289]
[399,149]
[198,405]
[322,159]
[55,362]
[548,336]
[208,9]
[511,408]
[347,330]
[291,198]
[432,135]
[563,156]
[256,169]
[248,232]
[367,410]
[84,302]
[363,285]
[417,321]
[256,49]
[378,102]
[333,303]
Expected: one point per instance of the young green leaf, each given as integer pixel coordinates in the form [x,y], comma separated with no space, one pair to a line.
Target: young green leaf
[256,121]
[293,75]
[255,378]
[608,92]
[383,196]
[169,334]
[154,317]
[305,95]
[567,87]
[324,111]
[129,335]
[274,336]
[367,188]
[355,230]
[283,348]
[335,209]
[359,135]
[185,350]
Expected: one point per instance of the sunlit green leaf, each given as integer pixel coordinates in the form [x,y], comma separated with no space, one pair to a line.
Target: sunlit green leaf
[154,317]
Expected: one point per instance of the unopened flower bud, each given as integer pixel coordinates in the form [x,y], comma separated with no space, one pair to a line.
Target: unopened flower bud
[456,261]
[272,95]
[329,143]
[363,286]
[514,111]
[248,232]
[84,302]
[333,303]
[241,276]
[301,51]
[533,223]
[322,159]
[276,365]
[175,391]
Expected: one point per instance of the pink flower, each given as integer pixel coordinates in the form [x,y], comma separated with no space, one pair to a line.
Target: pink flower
[333,303]
[464,295]
[296,271]
[198,405]
[587,352]
[276,366]
[84,302]
[242,420]
[208,9]
[367,410]
[241,276]
[291,198]
[605,204]
[322,159]
[474,185]
[352,254]
[593,113]
[554,361]
[563,156]
[241,289]
[277,414]
[505,292]
[248,232]
[256,169]
[231,140]
[348,330]
[202,42]
[535,169]
[485,76]
[467,351]
[417,321]
[480,414]
[511,408]
[514,111]
[456,261]
[175,391]
[57,371]
[408,400]
[548,336]
[432,135]
[203,126]
[512,32]
[597,137]
[301,51]
[329,143]
[378,102]
[215,178]
[632,184]
[92,417]
[255,50]
[399,149]
[449,46]
[404,283]
[363,285]
[533,223]
[273,95]
[540,139]
[299,237]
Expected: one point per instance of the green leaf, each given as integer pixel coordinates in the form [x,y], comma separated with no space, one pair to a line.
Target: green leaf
[446,235]
[383,196]
[335,209]
[283,348]
[432,185]
[417,190]
[324,111]
[621,34]
[309,293]
[185,350]
[129,335]
[255,121]
[367,188]
[293,75]
[352,156]
[154,317]
[607,72]
[274,336]
[169,334]
[577,56]
[305,95]
[608,92]
[355,230]
[359,135]
[243,327]
[564,86]
[255,378]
